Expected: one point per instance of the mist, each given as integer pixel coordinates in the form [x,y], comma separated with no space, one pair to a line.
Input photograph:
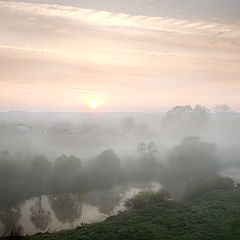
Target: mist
[90,163]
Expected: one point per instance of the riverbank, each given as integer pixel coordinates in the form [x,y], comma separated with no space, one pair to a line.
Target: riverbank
[215,215]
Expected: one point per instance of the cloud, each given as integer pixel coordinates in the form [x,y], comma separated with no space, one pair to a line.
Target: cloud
[109,19]
[70,52]
[66,31]
[152,8]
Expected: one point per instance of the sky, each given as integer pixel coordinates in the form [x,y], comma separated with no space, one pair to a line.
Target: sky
[128,55]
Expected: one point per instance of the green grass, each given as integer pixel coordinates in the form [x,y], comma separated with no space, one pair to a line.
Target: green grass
[214,216]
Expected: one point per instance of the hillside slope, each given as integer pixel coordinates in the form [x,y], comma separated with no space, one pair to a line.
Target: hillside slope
[214,216]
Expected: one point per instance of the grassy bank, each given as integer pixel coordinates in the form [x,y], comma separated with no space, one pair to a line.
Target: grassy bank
[214,216]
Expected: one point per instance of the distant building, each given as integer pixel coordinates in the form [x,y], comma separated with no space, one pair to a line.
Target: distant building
[23,128]
[90,127]
[63,127]
[3,126]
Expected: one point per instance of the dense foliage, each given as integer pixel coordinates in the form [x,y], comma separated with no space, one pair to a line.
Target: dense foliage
[147,198]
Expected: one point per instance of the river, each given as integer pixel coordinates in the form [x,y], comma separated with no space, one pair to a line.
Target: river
[51,213]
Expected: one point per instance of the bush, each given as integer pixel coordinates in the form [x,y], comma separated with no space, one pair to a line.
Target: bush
[147,198]
[199,187]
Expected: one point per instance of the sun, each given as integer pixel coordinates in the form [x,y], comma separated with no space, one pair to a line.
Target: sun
[94,104]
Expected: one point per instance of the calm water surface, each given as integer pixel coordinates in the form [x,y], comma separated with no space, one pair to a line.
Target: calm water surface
[60,212]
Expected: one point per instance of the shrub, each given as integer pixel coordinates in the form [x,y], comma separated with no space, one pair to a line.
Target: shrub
[147,198]
[199,187]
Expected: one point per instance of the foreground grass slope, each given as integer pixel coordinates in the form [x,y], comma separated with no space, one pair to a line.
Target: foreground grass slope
[214,216]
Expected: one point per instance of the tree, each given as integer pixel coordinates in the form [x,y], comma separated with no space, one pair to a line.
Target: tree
[147,150]
[11,181]
[192,158]
[148,162]
[128,125]
[142,148]
[178,113]
[108,166]
[108,161]
[201,116]
[185,120]
[66,173]
[40,167]
[39,173]
[222,109]
[152,148]
[67,164]
[224,112]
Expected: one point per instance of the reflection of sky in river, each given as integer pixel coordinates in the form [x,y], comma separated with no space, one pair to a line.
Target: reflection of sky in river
[67,211]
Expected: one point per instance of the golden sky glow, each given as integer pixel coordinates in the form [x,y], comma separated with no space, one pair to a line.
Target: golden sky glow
[94,104]
[57,57]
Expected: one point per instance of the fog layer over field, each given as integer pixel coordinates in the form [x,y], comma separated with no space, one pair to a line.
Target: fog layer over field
[63,153]
[87,134]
